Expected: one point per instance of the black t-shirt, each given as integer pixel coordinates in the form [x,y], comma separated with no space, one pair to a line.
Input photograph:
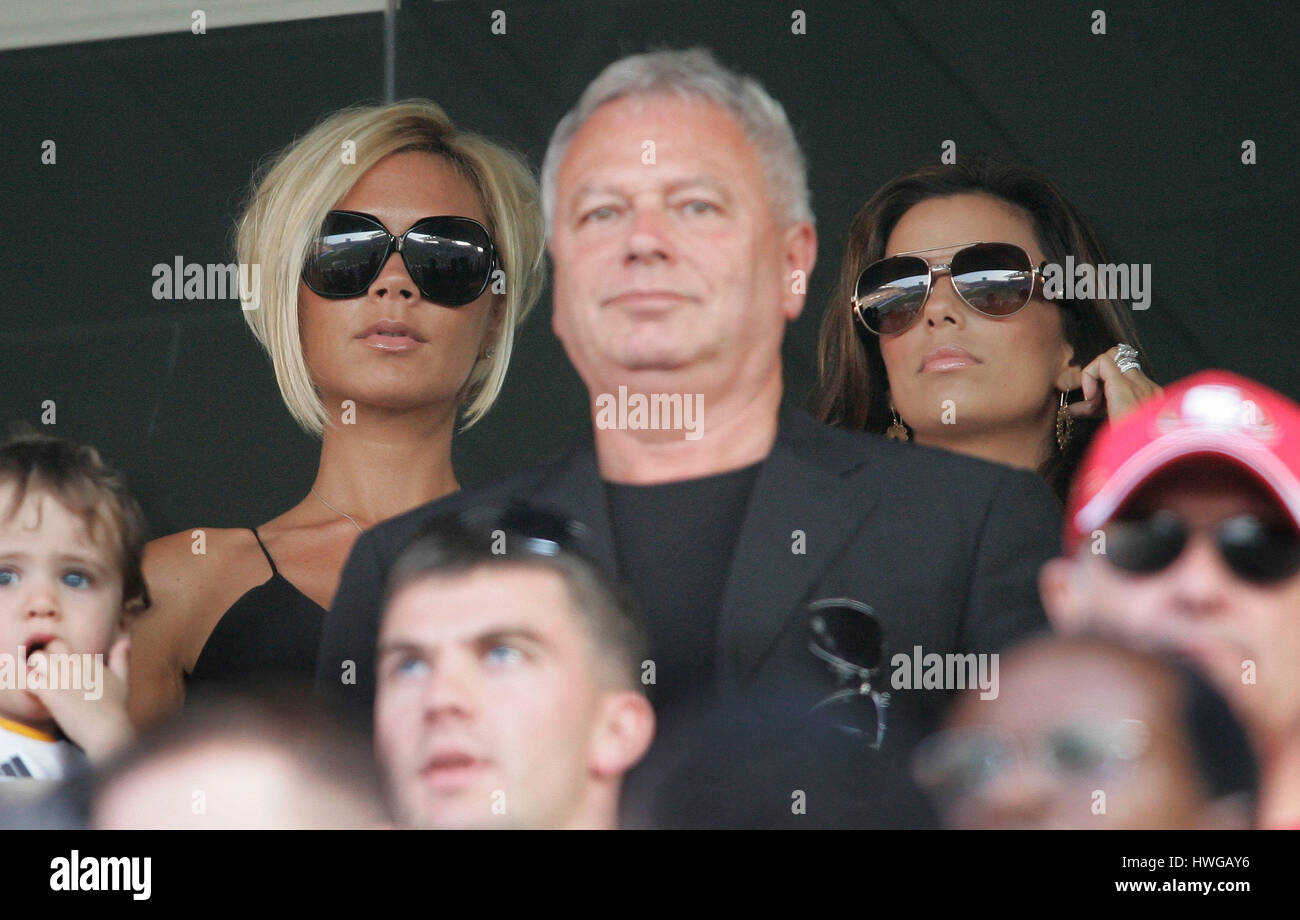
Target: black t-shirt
[674,543]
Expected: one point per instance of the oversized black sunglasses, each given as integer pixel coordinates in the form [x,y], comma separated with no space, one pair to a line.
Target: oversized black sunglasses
[450,259]
[996,279]
[846,635]
[1255,550]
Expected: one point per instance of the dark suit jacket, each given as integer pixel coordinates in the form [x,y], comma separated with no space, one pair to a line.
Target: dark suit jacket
[944,548]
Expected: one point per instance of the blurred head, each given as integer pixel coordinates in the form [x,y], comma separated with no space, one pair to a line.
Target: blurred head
[1183,532]
[274,761]
[1014,367]
[508,687]
[1086,734]
[677,207]
[71,541]
[399,163]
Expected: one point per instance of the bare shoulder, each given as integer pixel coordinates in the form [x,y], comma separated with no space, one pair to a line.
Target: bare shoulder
[190,563]
[194,576]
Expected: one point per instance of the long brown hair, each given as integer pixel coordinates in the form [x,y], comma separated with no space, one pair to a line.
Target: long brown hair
[852,389]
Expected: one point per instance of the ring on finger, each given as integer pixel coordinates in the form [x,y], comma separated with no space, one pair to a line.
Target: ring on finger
[1126,358]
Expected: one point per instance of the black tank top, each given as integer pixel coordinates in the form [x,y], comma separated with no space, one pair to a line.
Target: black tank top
[269,634]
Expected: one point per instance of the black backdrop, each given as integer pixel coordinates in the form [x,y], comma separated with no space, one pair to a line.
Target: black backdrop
[157,136]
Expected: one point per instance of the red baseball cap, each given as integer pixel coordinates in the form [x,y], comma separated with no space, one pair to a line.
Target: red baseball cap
[1211,413]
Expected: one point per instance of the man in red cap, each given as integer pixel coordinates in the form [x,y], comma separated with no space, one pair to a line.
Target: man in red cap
[1183,532]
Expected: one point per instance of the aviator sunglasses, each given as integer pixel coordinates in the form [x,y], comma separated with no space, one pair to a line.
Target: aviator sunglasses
[995,279]
[1253,549]
[956,764]
[450,259]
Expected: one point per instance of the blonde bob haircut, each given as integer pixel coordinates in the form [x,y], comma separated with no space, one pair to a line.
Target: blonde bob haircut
[293,191]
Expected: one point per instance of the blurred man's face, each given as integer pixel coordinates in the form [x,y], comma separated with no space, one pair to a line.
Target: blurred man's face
[1245,635]
[228,784]
[669,261]
[1075,740]
[489,703]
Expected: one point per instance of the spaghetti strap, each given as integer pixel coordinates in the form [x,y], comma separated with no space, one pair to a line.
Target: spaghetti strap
[274,570]
[272,632]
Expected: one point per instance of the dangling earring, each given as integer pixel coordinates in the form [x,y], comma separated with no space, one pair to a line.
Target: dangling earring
[896,431]
[1064,424]
[488,352]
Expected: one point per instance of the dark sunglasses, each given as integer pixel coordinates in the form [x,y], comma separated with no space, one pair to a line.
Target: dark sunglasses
[1255,550]
[996,279]
[846,635]
[450,259]
[543,532]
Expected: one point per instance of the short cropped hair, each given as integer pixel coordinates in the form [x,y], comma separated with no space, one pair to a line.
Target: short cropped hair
[77,477]
[292,193]
[694,74]
[454,545]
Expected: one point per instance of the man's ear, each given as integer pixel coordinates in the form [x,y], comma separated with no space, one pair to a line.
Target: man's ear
[1056,587]
[625,727]
[800,257]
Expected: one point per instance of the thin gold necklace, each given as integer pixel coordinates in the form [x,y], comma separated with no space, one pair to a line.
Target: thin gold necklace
[359,528]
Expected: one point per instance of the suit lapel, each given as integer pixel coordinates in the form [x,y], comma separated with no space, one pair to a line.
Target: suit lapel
[807,485]
[810,483]
[575,491]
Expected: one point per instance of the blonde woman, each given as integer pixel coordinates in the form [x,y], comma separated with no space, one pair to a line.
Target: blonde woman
[398,255]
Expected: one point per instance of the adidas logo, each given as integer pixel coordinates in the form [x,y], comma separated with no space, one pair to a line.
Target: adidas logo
[15,767]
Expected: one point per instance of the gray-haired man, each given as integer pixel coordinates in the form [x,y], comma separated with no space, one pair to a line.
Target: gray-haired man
[678,219]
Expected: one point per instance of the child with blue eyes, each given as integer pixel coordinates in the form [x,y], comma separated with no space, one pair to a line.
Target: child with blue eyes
[71,542]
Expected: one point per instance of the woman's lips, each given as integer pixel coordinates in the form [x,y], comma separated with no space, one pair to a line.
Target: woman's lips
[947,358]
[391,336]
[389,342]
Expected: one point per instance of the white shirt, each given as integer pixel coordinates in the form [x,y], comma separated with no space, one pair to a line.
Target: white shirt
[27,753]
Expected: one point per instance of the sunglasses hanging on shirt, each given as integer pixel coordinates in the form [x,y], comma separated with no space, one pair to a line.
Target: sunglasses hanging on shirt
[846,635]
